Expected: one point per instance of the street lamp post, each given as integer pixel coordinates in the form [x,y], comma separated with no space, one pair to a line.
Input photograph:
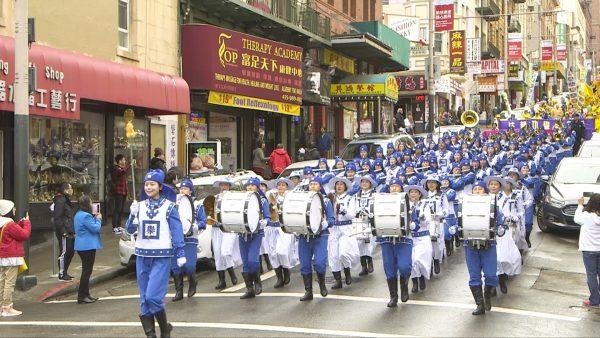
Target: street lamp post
[430,75]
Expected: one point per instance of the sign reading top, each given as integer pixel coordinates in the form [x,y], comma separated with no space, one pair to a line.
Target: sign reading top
[227,61]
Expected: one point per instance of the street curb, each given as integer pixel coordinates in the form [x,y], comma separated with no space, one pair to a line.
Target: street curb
[63,289]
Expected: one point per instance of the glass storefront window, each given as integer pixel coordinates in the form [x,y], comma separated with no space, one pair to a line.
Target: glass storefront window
[136,148]
[66,151]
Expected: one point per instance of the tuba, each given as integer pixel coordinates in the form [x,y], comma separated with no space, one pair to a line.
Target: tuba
[209,203]
[469,119]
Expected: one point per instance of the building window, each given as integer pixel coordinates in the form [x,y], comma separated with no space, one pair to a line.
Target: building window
[124,24]
[437,46]
[345,6]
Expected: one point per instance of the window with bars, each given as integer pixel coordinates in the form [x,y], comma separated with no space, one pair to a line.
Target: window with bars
[124,20]
[437,45]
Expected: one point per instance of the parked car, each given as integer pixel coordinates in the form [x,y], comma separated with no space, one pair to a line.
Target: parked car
[573,177]
[589,148]
[440,130]
[595,136]
[352,149]
[203,188]
[300,165]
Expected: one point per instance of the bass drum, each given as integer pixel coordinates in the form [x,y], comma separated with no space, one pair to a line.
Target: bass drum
[390,215]
[239,211]
[476,217]
[302,213]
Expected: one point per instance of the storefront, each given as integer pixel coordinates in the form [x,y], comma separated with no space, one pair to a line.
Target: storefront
[77,122]
[246,88]
[412,98]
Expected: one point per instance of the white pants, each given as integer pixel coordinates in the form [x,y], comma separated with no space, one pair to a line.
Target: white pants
[342,250]
[509,258]
[281,248]
[439,246]
[366,249]
[226,249]
[422,254]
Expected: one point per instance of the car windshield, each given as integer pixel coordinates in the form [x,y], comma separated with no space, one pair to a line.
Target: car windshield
[352,150]
[578,174]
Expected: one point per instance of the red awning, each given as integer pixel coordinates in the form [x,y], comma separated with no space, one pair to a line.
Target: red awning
[94,79]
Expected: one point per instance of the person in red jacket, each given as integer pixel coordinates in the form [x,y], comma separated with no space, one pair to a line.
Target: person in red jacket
[279,160]
[12,236]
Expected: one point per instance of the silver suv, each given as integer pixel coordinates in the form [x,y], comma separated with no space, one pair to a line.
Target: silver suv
[352,150]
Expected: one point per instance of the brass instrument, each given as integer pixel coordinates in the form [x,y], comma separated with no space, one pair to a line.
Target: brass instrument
[209,203]
[469,119]
[273,206]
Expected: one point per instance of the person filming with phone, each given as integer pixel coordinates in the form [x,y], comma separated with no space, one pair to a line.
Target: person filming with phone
[588,216]
[87,223]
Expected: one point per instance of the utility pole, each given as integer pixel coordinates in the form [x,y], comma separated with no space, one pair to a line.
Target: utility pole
[21,129]
[431,76]
[505,47]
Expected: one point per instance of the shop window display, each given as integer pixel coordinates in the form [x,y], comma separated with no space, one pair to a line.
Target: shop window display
[66,151]
[136,148]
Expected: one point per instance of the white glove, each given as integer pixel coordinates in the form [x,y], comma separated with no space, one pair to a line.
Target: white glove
[324,223]
[181,261]
[413,225]
[134,208]
[515,219]
[263,222]
[452,230]
[501,231]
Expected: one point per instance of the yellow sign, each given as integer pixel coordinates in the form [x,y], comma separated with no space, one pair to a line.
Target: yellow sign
[246,102]
[550,66]
[339,61]
[387,89]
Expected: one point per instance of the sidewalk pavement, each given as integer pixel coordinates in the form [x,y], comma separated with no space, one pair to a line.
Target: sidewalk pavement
[107,266]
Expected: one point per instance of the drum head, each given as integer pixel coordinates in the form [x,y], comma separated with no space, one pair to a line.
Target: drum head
[316,212]
[253,211]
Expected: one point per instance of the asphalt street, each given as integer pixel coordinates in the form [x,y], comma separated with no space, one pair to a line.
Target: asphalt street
[545,300]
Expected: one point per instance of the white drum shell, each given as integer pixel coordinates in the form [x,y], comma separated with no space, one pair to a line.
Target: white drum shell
[390,214]
[239,211]
[302,212]
[361,228]
[476,214]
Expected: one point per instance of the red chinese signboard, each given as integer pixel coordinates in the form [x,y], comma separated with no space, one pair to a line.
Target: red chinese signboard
[409,83]
[444,16]
[228,61]
[547,50]
[515,50]
[457,52]
[561,53]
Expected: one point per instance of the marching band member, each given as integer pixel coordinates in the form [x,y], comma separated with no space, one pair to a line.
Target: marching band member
[378,173]
[190,225]
[226,249]
[444,156]
[307,173]
[422,251]
[533,185]
[160,237]
[364,152]
[528,203]
[250,245]
[450,221]
[342,249]
[339,167]
[514,211]
[397,257]
[508,256]
[351,176]
[312,249]
[362,206]
[392,168]
[281,246]
[296,178]
[265,186]
[435,208]
[324,172]
[484,169]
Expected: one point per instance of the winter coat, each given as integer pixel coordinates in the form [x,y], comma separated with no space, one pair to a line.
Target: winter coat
[87,231]
[63,215]
[13,236]
[279,160]
[157,163]
[324,142]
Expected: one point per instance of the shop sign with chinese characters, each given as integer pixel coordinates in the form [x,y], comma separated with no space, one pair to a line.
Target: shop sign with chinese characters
[227,61]
[338,61]
[409,83]
[457,52]
[444,15]
[55,95]
[388,89]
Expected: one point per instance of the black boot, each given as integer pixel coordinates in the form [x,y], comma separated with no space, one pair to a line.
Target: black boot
[260,258]
[404,289]
[268,261]
[279,274]
[436,266]
[232,275]
[322,286]
[286,276]
[422,285]
[308,295]
[221,284]
[338,280]
[393,287]
[249,281]
[148,326]
[503,279]
[487,296]
[363,263]
[347,276]
[415,287]
[178,288]
[165,326]
[449,247]
[527,234]
[257,284]
[192,287]
[478,296]
[370,264]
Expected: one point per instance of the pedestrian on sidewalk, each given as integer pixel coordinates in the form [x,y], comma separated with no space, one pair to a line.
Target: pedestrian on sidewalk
[12,236]
[259,160]
[87,240]
[279,160]
[158,161]
[588,217]
[120,190]
[324,143]
[63,229]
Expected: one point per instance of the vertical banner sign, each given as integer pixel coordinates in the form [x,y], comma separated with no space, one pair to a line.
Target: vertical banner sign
[515,46]
[547,50]
[473,50]
[457,52]
[444,15]
[561,52]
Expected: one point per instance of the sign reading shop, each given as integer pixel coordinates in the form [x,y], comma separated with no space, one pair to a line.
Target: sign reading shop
[226,61]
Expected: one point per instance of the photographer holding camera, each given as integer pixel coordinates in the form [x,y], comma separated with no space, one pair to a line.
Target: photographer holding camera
[588,216]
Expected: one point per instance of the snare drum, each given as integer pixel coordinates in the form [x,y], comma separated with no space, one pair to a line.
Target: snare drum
[361,228]
[476,217]
[239,211]
[390,215]
[302,213]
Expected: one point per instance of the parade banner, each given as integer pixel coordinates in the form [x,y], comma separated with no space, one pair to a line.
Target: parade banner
[561,53]
[547,50]
[444,15]
[457,52]
[515,46]
[545,124]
